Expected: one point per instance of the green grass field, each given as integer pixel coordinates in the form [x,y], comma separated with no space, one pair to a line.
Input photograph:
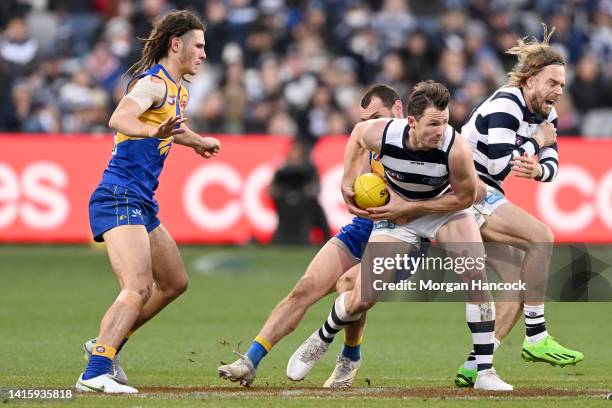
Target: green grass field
[53,298]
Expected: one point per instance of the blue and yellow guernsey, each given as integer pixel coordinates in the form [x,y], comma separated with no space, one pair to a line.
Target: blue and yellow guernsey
[376,166]
[138,161]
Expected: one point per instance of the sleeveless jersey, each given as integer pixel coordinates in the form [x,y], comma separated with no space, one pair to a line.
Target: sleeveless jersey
[137,162]
[415,175]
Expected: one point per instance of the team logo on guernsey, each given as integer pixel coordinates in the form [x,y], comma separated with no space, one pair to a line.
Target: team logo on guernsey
[171,99]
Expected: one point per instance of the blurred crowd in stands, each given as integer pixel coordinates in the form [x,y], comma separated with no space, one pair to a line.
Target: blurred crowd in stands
[294,67]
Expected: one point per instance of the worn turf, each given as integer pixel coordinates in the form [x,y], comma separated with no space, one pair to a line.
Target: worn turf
[54,297]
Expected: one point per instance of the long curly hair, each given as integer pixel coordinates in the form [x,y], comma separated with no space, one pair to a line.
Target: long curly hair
[533,57]
[156,46]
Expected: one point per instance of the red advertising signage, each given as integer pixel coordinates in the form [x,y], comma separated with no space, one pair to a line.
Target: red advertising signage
[45,183]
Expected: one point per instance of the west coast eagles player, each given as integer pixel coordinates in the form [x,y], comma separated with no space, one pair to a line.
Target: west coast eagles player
[122,209]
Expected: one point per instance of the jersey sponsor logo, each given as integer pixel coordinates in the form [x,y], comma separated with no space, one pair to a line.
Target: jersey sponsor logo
[136,212]
[493,198]
[171,99]
[434,181]
[394,175]
[384,225]
[100,349]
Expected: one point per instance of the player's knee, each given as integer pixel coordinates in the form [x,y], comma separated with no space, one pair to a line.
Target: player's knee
[345,283]
[144,289]
[137,293]
[547,235]
[357,307]
[542,234]
[178,287]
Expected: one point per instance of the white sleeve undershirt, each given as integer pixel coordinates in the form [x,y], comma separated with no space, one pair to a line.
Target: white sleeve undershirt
[147,93]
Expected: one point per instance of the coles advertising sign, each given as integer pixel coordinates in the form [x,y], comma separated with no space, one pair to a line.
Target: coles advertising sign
[46,181]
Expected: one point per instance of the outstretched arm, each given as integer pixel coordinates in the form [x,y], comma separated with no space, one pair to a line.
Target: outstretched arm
[206,147]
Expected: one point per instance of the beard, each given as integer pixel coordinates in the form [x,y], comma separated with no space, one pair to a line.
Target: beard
[539,105]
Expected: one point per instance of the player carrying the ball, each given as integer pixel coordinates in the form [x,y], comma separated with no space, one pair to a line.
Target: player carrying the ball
[323,276]
[429,168]
[123,210]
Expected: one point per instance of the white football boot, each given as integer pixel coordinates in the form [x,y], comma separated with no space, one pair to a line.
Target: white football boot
[117,370]
[241,370]
[488,380]
[103,383]
[306,356]
[344,373]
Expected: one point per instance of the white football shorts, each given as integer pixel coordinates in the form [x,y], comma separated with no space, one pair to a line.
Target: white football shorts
[426,226]
[492,202]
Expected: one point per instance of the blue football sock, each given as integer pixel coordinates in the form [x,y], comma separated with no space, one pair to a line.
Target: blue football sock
[256,352]
[98,365]
[353,353]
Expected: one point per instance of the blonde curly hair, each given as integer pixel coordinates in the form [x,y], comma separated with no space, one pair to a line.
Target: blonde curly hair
[533,57]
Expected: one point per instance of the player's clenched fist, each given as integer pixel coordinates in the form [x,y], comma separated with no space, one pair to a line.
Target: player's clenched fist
[208,147]
[545,135]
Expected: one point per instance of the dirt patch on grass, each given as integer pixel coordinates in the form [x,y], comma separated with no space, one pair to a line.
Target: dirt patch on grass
[396,393]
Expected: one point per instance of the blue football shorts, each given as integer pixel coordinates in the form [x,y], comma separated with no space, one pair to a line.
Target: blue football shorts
[112,205]
[356,235]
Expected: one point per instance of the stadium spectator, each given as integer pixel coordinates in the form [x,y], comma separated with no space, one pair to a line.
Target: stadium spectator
[601,38]
[18,50]
[393,23]
[270,57]
[294,189]
[84,104]
[589,90]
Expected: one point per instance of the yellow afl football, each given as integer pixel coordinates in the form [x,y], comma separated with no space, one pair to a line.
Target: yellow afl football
[370,191]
